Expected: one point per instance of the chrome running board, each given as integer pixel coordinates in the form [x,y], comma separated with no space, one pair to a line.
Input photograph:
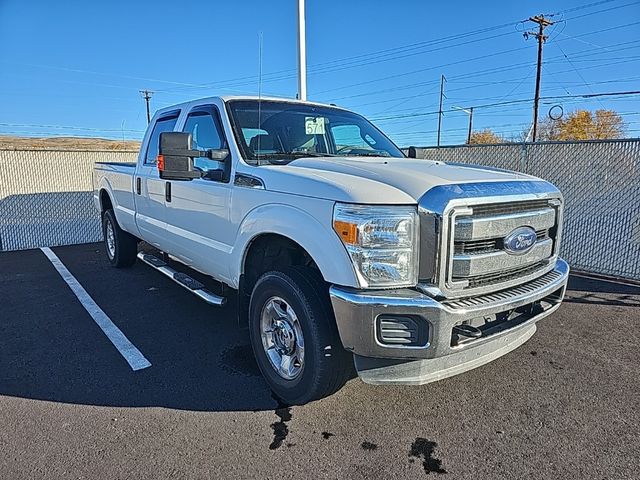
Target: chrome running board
[182,279]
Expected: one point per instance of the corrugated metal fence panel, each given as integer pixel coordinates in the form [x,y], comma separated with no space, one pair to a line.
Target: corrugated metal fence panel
[46,197]
[600,181]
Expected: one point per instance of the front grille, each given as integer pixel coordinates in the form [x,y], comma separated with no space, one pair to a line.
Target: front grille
[490,245]
[463,252]
[479,255]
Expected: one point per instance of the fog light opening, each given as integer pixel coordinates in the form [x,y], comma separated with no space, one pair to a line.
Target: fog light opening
[402,330]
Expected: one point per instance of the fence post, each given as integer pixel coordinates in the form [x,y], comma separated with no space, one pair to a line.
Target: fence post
[523,157]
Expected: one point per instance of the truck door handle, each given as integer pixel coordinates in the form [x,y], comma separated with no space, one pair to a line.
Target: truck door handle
[138,186]
[167,191]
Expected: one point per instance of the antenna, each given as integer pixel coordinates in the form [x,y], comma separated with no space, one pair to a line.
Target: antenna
[259,89]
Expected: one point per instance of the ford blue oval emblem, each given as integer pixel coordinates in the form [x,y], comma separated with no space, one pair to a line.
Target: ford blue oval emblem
[520,240]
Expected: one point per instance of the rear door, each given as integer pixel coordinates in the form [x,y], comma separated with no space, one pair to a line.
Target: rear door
[198,211]
[149,188]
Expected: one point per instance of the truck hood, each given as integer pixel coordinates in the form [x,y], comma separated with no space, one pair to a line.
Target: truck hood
[372,180]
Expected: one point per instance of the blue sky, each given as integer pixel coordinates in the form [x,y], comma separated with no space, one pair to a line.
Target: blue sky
[77,67]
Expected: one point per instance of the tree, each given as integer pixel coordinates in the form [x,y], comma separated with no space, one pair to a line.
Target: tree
[485,136]
[583,125]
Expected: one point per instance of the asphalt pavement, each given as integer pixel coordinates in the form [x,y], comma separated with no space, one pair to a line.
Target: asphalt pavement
[562,406]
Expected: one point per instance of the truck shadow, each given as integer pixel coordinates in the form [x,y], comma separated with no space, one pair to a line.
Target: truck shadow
[52,350]
[602,292]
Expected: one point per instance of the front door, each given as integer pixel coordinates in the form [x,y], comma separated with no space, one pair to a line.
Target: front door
[198,211]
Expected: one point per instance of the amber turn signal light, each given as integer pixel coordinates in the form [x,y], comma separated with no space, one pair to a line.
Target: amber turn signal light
[348,232]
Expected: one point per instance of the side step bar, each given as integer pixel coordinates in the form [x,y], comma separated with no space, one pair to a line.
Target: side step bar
[182,279]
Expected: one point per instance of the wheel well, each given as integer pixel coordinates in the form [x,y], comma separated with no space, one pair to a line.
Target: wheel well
[271,252]
[105,201]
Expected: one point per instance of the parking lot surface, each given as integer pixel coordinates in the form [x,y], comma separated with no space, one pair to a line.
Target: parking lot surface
[564,405]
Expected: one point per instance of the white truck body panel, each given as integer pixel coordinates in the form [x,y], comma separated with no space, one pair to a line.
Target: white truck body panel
[373,180]
[209,225]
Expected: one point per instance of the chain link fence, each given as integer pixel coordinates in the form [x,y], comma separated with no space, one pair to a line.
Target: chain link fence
[46,197]
[600,181]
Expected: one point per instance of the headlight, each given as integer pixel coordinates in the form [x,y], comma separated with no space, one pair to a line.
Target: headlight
[382,243]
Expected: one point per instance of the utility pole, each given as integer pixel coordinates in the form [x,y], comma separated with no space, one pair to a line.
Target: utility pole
[468,111]
[146,94]
[442,80]
[541,37]
[302,54]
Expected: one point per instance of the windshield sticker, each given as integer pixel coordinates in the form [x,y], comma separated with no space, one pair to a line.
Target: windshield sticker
[314,125]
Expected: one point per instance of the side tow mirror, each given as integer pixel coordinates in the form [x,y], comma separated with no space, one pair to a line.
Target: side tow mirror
[412,152]
[175,157]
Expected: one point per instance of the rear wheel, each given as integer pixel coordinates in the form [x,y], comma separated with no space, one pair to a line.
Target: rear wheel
[121,247]
[294,336]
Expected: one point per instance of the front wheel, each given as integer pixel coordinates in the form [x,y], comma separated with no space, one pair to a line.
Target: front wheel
[121,246]
[294,336]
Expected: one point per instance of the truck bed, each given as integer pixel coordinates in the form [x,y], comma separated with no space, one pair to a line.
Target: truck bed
[118,178]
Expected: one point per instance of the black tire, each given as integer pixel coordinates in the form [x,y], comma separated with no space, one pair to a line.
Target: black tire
[327,365]
[125,245]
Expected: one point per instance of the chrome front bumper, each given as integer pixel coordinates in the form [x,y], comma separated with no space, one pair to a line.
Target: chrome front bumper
[439,356]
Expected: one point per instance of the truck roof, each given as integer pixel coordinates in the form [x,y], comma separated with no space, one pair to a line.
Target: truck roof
[226,98]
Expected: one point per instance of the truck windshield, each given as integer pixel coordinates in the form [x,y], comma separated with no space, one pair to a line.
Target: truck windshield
[279,132]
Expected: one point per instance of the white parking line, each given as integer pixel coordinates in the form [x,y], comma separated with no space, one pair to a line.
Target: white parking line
[128,350]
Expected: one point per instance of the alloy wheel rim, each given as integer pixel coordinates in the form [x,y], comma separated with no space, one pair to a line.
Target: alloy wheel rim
[111,241]
[282,338]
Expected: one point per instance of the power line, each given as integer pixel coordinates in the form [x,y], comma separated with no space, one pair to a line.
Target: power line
[486,72]
[498,82]
[577,71]
[603,11]
[467,60]
[524,100]
[329,66]
[374,57]
[362,60]
[581,7]
[274,76]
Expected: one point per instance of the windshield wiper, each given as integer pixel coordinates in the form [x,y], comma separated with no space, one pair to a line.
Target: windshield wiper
[367,154]
[287,155]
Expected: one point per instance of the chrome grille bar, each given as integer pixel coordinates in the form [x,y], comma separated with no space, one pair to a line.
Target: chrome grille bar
[493,244]
[465,266]
[511,207]
[497,226]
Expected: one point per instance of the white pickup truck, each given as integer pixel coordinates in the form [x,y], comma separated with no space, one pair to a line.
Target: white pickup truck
[343,251]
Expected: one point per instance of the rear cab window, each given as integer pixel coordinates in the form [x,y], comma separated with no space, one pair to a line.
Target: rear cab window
[165,123]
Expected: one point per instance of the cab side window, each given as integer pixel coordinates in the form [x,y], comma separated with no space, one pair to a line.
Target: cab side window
[164,124]
[206,133]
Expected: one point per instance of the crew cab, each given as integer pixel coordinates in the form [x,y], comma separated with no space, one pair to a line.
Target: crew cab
[344,251]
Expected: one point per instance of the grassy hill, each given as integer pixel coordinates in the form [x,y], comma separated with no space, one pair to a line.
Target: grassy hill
[9,142]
